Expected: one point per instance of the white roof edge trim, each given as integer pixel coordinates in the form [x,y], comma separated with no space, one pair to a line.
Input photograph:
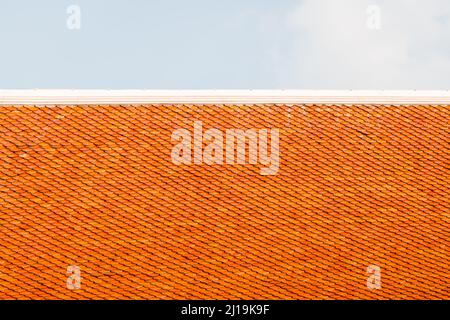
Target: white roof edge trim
[70,97]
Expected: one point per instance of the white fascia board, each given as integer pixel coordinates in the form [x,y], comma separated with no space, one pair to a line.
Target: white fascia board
[73,97]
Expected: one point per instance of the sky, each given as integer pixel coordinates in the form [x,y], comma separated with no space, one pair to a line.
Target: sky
[218,44]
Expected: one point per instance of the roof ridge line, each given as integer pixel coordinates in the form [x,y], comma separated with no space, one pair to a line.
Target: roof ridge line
[68,96]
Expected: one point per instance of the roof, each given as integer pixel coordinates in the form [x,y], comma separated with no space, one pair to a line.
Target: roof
[359,188]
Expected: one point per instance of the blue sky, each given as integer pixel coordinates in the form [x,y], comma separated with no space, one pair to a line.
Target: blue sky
[246,44]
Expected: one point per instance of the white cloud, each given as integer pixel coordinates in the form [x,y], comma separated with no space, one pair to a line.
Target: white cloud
[336,49]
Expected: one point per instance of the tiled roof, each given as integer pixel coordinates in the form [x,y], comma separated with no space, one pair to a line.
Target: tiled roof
[94,186]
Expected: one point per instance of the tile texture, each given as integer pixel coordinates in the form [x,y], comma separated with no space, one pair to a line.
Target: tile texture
[94,186]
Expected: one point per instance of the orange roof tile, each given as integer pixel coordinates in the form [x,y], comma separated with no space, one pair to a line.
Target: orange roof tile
[94,186]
